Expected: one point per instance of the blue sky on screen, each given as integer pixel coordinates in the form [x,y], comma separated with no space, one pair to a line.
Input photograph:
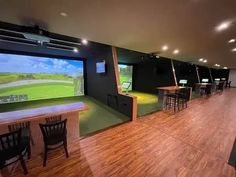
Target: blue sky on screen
[122,66]
[10,63]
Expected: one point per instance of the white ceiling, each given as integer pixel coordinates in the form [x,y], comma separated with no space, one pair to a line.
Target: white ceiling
[139,25]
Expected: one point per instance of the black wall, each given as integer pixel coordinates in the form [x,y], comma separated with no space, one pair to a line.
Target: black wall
[149,72]
[203,73]
[186,71]
[152,73]
[220,73]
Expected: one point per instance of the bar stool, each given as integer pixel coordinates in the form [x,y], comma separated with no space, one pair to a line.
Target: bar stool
[14,145]
[53,119]
[25,127]
[54,136]
[170,101]
[182,96]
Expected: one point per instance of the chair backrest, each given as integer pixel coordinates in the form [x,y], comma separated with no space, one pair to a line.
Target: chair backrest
[18,126]
[9,141]
[52,130]
[183,92]
[208,89]
[221,86]
[53,119]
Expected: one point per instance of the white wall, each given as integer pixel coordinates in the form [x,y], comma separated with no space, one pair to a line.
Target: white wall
[232,77]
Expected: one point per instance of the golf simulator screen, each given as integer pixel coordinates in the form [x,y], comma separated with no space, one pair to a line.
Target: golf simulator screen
[24,77]
[126,75]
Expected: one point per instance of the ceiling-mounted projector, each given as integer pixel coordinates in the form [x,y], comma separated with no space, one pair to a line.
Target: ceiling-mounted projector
[35,37]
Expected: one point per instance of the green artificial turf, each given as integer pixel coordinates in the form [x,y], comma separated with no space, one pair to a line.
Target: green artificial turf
[147,103]
[99,116]
[195,95]
[39,91]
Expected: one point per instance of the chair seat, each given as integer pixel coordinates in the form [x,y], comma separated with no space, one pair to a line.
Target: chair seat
[56,139]
[172,95]
[10,153]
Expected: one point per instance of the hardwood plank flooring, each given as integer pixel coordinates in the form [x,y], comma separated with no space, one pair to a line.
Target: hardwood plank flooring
[195,142]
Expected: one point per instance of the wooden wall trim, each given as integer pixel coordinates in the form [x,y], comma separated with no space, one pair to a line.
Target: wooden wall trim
[117,74]
[115,61]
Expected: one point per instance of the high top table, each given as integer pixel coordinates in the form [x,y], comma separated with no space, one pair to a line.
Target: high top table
[38,115]
[164,90]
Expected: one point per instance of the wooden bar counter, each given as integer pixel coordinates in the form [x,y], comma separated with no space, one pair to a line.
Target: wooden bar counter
[168,89]
[38,115]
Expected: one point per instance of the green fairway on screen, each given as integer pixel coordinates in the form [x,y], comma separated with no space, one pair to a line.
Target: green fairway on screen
[24,77]
[126,74]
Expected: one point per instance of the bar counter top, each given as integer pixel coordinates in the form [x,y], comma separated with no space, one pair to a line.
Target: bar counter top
[37,113]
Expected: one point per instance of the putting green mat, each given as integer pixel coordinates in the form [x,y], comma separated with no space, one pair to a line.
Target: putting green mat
[147,103]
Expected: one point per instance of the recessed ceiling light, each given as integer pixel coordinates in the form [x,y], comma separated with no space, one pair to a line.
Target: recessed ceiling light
[63,14]
[75,50]
[201,59]
[223,26]
[176,51]
[84,41]
[217,65]
[231,41]
[165,47]
[234,50]
[225,68]
[204,61]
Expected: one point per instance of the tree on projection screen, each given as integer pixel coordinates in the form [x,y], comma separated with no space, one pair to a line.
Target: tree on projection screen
[25,78]
[126,75]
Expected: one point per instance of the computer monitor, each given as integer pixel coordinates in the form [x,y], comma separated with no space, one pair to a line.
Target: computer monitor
[205,80]
[101,67]
[126,86]
[217,79]
[183,81]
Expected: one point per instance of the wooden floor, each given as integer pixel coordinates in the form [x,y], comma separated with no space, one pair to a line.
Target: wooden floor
[195,142]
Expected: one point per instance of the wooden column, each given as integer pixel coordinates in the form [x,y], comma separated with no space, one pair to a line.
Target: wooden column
[117,74]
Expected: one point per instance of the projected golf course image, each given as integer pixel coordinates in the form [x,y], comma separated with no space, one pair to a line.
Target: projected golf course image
[32,78]
[126,74]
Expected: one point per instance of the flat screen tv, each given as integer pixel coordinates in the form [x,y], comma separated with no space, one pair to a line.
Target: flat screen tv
[126,85]
[101,67]
[205,80]
[183,81]
[24,77]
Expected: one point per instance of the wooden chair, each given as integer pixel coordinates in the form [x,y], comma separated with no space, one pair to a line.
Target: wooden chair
[25,127]
[13,145]
[53,119]
[54,136]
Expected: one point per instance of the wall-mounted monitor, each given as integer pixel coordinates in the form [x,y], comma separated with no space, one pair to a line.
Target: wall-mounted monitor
[101,67]
[223,79]
[205,80]
[217,79]
[183,81]
[24,77]
[126,85]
